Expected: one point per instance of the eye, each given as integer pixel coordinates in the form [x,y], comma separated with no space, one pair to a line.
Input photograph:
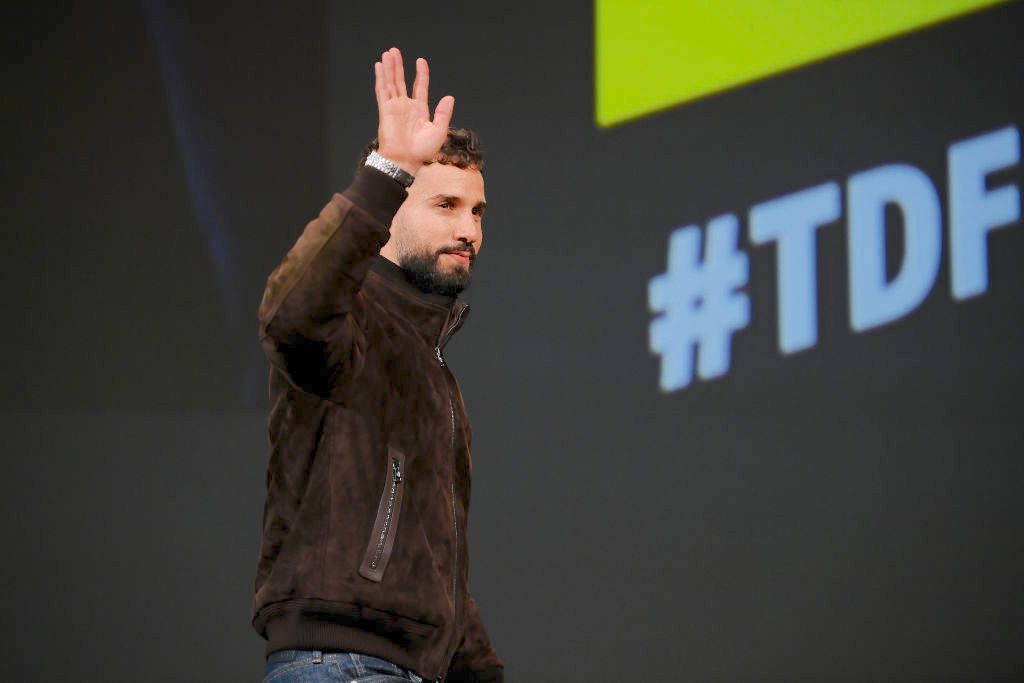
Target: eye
[445,205]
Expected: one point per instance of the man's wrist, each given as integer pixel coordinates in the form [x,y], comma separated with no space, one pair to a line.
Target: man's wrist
[410,166]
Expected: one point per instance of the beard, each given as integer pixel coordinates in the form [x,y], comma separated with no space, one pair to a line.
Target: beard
[422,269]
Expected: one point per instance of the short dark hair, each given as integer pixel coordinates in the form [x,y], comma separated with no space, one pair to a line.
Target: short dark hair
[461,149]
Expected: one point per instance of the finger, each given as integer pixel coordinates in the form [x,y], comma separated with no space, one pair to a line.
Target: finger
[387,75]
[422,82]
[377,82]
[443,112]
[399,83]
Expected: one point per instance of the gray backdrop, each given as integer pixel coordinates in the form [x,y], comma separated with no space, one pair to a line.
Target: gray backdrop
[848,513]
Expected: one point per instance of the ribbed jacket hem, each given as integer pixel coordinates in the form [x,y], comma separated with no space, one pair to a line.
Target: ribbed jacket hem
[296,630]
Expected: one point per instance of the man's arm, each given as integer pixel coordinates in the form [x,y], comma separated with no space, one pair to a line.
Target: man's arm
[308,325]
[475,661]
[310,318]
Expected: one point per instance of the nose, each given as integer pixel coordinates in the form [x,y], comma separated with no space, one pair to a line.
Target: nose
[468,230]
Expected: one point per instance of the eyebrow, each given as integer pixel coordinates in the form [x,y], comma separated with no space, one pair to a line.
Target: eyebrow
[454,199]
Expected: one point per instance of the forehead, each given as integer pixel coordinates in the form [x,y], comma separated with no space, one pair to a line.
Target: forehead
[466,183]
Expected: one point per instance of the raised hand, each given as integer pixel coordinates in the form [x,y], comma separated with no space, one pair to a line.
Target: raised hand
[405,133]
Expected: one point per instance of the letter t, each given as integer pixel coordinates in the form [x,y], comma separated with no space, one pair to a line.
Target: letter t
[791,222]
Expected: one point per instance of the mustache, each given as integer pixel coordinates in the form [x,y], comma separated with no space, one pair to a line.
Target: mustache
[467,249]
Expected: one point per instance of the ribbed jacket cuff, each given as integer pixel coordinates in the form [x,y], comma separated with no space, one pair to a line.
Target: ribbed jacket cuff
[376,193]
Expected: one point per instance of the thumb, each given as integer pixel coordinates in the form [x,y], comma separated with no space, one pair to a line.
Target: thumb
[443,112]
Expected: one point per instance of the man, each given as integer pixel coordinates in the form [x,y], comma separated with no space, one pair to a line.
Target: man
[363,571]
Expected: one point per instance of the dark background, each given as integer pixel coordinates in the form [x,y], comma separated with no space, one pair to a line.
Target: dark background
[848,513]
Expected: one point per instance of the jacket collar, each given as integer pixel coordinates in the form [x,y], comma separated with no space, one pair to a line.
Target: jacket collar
[436,316]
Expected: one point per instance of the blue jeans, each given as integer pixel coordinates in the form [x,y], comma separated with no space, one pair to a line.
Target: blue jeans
[313,666]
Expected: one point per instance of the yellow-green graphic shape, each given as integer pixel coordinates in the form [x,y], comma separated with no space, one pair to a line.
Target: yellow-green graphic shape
[653,54]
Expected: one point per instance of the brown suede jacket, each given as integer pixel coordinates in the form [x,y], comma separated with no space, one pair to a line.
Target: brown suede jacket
[364,528]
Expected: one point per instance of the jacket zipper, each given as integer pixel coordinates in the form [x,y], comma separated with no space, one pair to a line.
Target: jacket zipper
[455,520]
[445,335]
[396,479]
[380,545]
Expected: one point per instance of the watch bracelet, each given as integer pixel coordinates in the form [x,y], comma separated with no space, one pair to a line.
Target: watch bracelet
[389,168]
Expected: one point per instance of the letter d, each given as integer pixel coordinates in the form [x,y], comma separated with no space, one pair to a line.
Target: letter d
[873,300]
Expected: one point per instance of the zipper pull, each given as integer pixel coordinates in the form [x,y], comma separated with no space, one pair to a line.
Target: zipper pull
[437,352]
[397,470]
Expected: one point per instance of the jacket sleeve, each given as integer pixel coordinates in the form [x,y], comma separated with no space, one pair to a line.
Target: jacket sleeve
[309,316]
[475,661]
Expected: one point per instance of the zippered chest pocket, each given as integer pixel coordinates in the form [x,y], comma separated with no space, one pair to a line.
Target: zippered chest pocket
[385,527]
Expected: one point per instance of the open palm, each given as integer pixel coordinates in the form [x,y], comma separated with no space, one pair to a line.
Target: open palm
[405,132]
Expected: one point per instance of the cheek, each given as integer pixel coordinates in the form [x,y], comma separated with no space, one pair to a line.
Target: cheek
[404,239]
[420,233]
[432,231]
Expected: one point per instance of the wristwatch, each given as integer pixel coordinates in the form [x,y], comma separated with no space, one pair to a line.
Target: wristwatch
[388,167]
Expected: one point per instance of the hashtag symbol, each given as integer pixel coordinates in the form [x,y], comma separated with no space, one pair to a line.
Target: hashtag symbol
[701,306]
